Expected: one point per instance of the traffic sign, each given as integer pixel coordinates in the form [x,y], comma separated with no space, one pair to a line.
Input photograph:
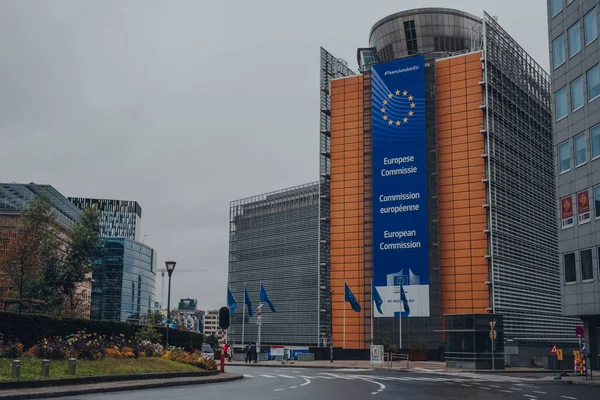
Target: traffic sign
[579,331]
[559,354]
[553,351]
[493,335]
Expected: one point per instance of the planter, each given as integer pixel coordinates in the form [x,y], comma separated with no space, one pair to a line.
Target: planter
[418,356]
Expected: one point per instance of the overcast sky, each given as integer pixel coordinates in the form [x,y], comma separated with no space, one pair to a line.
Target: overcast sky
[184,106]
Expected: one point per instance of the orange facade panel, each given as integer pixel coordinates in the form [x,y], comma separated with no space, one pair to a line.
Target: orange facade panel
[462,218]
[347,210]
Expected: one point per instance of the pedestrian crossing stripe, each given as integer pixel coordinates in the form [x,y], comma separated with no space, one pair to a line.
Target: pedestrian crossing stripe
[439,378]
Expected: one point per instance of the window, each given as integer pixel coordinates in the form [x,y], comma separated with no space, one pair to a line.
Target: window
[570,273]
[577,93]
[597,201]
[593,82]
[579,149]
[566,212]
[564,157]
[574,39]
[561,103]
[583,207]
[558,47]
[557,6]
[595,140]
[590,25]
[587,269]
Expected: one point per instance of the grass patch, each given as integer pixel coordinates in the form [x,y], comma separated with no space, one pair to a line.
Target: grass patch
[30,367]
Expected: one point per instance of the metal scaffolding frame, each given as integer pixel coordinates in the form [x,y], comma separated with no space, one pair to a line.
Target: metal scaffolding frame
[273,239]
[522,231]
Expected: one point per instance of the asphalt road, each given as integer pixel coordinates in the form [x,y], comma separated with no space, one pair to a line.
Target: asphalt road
[262,383]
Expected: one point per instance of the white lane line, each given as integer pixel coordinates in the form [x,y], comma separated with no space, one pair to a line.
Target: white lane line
[530,396]
[538,392]
[514,388]
[380,390]
[248,376]
[570,398]
[267,376]
[374,392]
[286,376]
[277,390]
[326,377]
[305,383]
[466,385]
[486,388]
[293,387]
[507,391]
[381,385]
[494,386]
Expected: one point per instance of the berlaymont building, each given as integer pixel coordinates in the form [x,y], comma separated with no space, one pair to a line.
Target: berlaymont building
[435,206]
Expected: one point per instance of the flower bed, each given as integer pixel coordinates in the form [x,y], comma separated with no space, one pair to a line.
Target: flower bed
[92,346]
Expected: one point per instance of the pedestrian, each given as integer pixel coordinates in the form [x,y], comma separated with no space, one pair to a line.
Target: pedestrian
[225,349]
[230,353]
[248,354]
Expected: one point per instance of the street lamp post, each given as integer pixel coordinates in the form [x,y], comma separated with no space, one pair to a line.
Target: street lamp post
[170,268]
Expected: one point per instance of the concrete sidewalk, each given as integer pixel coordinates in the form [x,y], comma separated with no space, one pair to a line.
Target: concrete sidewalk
[105,387]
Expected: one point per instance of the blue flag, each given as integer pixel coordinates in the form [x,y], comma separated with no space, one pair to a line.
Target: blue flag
[265,297]
[404,300]
[349,297]
[248,303]
[231,302]
[377,298]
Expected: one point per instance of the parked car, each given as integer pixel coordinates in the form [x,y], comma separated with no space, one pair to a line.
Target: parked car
[208,352]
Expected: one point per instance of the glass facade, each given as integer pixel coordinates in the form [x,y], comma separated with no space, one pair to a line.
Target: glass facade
[118,218]
[558,51]
[574,39]
[124,281]
[274,239]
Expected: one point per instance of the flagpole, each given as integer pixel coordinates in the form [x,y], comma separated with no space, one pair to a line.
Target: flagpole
[259,317]
[344,313]
[372,311]
[400,314]
[244,316]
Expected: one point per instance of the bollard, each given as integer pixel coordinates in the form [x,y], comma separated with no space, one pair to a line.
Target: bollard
[222,361]
[72,366]
[45,368]
[16,369]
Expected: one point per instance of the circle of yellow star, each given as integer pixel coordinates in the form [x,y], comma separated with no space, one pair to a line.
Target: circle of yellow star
[401,120]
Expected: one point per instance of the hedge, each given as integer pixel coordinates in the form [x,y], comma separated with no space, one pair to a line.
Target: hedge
[29,329]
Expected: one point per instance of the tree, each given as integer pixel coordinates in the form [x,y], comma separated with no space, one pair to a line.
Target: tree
[32,247]
[84,248]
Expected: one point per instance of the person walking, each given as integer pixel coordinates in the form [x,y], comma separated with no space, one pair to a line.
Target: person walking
[248,354]
[229,353]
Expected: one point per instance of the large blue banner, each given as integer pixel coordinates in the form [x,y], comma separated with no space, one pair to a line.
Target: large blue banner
[400,245]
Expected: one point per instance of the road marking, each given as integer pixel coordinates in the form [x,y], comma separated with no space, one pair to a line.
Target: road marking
[268,376]
[286,376]
[570,398]
[248,376]
[293,387]
[514,388]
[486,388]
[494,386]
[508,391]
[530,396]
[466,385]
[277,390]
[537,391]
[374,392]
[305,383]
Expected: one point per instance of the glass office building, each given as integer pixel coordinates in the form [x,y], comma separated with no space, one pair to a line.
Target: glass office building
[124,281]
[274,239]
[118,218]
[575,93]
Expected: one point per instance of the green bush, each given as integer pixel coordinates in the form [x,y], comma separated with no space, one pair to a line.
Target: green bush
[29,329]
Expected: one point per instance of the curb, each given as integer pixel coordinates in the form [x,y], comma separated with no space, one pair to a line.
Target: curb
[328,366]
[134,386]
[100,379]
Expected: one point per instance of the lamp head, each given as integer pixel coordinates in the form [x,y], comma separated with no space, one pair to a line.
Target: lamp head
[170,266]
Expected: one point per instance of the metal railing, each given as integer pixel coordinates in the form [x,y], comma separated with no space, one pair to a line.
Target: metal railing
[390,358]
